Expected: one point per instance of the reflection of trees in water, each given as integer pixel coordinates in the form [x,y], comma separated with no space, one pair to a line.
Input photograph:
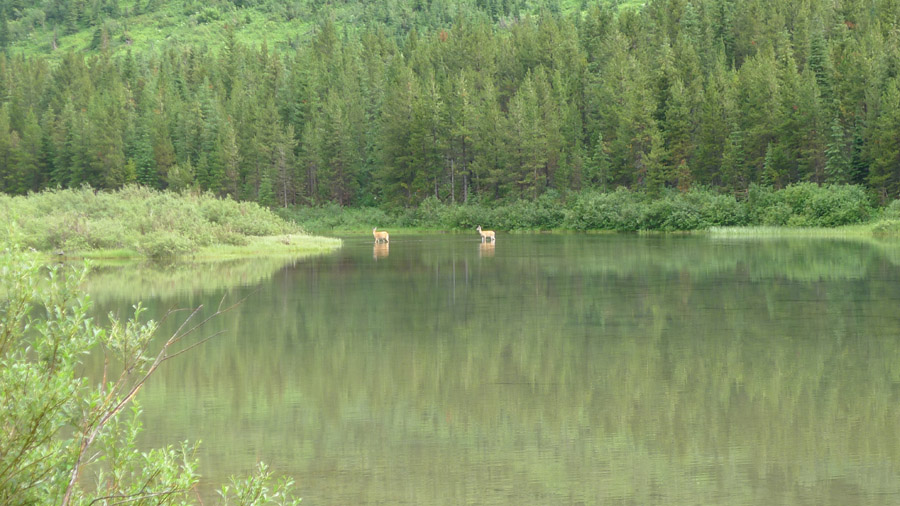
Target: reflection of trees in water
[136,281]
[622,373]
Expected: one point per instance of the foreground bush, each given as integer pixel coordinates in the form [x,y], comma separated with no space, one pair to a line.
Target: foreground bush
[65,441]
[154,223]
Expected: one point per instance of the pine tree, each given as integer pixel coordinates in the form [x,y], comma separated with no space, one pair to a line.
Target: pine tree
[820,64]
[339,159]
[768,175]
[230,155]
[884,173]
[733,160]
[399,171]
[526,152]
[144,160]
[310,160]
[180,176]
[8,183]
[859,161]
[4,29]
[837,163]
[27,156]
[677,126]
[598,170]
[462,131]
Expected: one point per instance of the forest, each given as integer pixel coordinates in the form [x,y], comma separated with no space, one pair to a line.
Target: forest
[354,103]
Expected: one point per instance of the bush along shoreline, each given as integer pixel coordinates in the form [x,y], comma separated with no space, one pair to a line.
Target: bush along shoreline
[621,210]
[141,222]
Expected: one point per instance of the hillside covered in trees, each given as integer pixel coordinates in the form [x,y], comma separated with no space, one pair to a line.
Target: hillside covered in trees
[389,103]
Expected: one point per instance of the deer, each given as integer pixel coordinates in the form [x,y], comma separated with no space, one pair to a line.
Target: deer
[486,234]
[380,236]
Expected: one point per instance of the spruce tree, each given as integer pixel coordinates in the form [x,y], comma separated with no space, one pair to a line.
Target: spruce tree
[884,173]
[837,163]
[598,170]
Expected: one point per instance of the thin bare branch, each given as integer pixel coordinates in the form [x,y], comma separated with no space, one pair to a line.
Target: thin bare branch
[92,430]
[198,343]
[136,497]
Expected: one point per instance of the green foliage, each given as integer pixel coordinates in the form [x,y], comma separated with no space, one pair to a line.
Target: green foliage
[454,102]
[328,217]
[69,441]
[810,205]
[457,101]
[887,228]
[161,244]
[259,489]
[805,204]
[892,211]
[157,224]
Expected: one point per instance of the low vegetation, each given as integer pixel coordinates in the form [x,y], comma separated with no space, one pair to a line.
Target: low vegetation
[67,440]
[138,221]
[801,205]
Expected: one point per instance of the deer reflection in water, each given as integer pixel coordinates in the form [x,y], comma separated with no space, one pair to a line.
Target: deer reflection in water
[486,249]
[381,250]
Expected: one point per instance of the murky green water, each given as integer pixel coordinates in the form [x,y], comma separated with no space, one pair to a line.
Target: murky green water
[602,369]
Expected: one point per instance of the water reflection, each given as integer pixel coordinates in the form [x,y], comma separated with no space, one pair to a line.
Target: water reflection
[381,250]
[591,369]
[486,249]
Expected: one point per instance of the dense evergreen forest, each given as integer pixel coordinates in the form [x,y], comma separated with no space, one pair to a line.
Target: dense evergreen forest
[389,103]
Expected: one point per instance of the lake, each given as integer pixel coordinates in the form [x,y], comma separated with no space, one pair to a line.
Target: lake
[545,369]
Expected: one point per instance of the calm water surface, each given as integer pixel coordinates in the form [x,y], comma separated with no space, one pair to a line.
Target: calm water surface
[548,369]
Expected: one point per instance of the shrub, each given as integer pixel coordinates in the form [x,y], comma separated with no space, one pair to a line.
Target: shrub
[469,216]
[887,228]
[836,205]
[163,244]
[892,211]
[67,440]
[672,213]
[808,204]
[778,213]
[156,223]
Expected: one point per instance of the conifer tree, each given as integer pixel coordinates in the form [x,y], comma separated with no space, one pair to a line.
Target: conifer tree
[837,163]
[26,157]
[733,159]
[8,182]
[598,169]
[884,173]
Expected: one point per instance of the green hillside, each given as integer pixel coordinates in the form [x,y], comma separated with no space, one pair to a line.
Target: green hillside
[54,27]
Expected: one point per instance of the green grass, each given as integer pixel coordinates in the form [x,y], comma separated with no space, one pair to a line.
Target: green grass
[137,222]
[293,245]
[288,244]
[881,228]
[863,230]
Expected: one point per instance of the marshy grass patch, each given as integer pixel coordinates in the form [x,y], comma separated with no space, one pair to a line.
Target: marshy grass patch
[763,231]
[274,245]
[138,222]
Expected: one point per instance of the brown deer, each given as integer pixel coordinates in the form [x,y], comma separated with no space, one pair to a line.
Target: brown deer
[380,236]
[486,234]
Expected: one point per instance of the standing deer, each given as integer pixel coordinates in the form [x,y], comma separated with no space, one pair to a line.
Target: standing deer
[380,236]
[486,234]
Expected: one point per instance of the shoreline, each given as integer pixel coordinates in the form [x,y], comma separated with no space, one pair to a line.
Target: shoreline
[881,229]
[292,245]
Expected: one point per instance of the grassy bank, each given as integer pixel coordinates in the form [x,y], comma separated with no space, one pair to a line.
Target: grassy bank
[140,222]
[798,207]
